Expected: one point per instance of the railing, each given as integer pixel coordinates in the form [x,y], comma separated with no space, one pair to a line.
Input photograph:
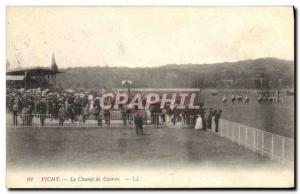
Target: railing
[112,120]
[267,144]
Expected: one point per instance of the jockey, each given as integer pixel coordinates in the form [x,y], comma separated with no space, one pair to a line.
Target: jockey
[259,99]
[232,99]
[224,99]
[247,99]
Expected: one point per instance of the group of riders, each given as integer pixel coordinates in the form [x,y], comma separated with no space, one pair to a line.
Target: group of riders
[239,99]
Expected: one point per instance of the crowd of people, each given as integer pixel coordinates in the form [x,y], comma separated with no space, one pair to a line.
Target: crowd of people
[211,121]
[82,105]
[60,104]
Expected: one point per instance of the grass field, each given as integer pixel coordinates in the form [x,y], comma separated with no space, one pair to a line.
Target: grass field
[90,148]
[274,118]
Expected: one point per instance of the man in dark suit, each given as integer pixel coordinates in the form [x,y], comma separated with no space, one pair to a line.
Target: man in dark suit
[42,110]
[124,116]
[61,115]
[15,113]
[138,121]
[217,118]
[209,119]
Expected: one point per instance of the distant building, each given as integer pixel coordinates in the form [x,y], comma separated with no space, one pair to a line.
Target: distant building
[32,77]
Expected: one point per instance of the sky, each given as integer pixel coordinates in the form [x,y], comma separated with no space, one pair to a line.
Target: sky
[146,36]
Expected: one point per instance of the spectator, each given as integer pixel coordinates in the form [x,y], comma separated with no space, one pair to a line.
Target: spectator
[61,116]
[15,113]
[217,118]
[199,123]
[42,110]
[107,117]
[124,116]
[85,113]
[138,121]
[209,119]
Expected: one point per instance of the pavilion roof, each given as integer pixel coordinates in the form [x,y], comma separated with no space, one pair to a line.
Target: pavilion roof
[32,70]
[15,77]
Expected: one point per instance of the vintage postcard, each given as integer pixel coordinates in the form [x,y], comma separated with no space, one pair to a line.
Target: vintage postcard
[150,97]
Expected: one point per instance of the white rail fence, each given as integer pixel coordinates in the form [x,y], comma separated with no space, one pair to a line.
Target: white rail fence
[83,121]
[267,144]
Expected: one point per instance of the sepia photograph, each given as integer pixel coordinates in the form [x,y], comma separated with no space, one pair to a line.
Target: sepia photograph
[150,97]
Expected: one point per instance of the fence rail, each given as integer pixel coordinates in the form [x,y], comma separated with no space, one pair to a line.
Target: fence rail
[111,120]
[267,144]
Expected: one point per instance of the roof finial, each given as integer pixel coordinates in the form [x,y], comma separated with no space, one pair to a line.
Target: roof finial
[53,58]
[53,63]
[7,64]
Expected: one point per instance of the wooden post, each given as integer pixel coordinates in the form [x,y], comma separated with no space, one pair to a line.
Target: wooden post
[52,80]
[254,134]
[233,131]
[39,118]
[262,143]
[283,150]
[222,127]
[246,137]
[239,135]
[272,148]
[29,82]
[227,131]
[47,80]
[25,78]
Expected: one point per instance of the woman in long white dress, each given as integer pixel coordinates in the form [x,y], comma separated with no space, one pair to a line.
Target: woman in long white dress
[169,121]
[199,124]
[213,124]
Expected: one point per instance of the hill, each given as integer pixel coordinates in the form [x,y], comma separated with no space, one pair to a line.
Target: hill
[256,73]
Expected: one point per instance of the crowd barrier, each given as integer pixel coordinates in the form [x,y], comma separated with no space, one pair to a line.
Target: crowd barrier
[267,144]
[111,120]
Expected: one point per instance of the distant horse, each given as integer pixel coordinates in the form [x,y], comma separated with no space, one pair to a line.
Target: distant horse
[240,99]
[224,100]
[247,100]
[271,99]
[214,94]
[232,99]
[259,99]
[265,99]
